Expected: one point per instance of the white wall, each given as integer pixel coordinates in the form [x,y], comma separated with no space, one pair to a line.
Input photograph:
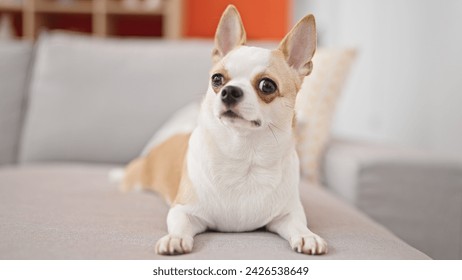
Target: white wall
[406,85]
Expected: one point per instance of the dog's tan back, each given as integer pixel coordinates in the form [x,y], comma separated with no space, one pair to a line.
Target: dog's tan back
[161,169]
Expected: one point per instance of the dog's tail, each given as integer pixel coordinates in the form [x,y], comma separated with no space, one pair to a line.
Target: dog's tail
[116,175]
[132,177]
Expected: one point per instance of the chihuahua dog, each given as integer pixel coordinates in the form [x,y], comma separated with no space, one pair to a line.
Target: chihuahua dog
[238,170]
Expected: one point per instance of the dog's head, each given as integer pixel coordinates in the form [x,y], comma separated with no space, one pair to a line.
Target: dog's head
[254,88]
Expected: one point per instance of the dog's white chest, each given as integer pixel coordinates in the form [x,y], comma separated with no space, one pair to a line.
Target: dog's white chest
[243,201]
[242,193]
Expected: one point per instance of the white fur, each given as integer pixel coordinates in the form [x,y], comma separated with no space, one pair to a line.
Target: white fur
[244,177]
[116,175]
[256,61]
[243,165]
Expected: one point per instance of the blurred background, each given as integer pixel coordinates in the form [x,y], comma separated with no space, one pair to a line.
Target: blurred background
[401,96]
[405,86]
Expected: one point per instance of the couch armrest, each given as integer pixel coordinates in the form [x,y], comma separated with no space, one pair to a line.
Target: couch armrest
[416,195]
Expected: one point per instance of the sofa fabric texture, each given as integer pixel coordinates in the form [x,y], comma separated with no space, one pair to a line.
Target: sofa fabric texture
[73,212]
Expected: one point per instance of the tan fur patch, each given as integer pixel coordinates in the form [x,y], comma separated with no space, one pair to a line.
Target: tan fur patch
[219,68]
[186,193]
[287,79]
[294,121]
[288,42]
[267,98]
[162,169]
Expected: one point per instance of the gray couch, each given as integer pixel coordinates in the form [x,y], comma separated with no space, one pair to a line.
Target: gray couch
[72,108]
[416,194]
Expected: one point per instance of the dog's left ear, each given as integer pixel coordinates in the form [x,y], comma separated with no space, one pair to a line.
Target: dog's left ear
[299,45]
[230,33]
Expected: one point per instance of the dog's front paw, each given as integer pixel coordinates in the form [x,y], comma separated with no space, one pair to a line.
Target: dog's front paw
[173,245]
[310,244]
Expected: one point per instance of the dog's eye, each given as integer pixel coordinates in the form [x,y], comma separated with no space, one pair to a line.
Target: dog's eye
[217,80]
[267,86]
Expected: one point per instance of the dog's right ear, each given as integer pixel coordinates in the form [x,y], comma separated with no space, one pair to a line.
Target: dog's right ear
[230,33]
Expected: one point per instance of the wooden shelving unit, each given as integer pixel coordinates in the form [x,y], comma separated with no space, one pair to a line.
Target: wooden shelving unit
[116,8]
[10,7]
[76,7]
[97,16]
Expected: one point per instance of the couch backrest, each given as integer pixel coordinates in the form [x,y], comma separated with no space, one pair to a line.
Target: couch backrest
[100,101]
[15,57]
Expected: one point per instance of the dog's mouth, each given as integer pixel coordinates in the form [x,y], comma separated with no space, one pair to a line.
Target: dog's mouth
[233,116]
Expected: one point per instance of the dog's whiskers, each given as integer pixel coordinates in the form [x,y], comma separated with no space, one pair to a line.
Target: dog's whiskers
[288,105]
[272,124]
[273,134]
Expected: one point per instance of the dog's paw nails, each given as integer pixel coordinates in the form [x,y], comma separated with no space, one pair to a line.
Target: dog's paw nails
[173,245]
[310,244]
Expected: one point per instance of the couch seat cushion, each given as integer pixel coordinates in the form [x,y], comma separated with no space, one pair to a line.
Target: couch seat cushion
[72,212]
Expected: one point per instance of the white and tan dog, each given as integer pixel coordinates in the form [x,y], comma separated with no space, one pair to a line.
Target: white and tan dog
[238,170]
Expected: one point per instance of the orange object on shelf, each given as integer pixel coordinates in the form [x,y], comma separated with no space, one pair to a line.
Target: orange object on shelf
[263,19]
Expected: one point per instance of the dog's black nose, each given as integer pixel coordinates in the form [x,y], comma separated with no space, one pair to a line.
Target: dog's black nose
[231,95]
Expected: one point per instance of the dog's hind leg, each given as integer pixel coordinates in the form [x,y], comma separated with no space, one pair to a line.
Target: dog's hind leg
[134,176]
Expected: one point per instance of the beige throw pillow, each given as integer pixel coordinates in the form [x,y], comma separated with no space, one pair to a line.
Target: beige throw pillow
[315,107]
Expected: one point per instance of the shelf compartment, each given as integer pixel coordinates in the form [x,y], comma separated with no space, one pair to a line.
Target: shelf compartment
[134,25]
[81,23]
